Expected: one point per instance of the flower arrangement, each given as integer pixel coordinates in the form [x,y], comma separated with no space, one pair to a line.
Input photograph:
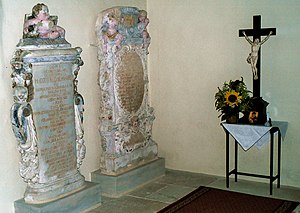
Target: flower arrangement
[232,99]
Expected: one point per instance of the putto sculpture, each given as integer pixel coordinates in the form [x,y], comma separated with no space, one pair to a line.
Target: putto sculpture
[41,25]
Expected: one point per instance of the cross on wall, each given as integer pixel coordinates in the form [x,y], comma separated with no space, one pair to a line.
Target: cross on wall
[256,33]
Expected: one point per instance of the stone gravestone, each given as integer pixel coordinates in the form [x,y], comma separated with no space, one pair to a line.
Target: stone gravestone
[47,118]
[130,155]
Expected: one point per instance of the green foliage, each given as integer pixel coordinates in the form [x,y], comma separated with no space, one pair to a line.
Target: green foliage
[232,98]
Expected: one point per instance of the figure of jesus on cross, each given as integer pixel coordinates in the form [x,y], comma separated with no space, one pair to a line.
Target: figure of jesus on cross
[254,56]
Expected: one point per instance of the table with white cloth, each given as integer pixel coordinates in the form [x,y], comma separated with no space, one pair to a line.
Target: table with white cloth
[248,136]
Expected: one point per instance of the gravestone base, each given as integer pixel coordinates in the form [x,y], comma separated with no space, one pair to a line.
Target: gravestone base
[84,199]
[117,185]
[118,164]
[41,193]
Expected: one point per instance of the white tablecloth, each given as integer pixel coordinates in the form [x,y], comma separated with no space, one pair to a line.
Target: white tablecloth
[250,135]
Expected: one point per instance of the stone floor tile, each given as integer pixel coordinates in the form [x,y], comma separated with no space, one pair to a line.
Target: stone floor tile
[147,189]
[129,204]
[186,178]
[170,193]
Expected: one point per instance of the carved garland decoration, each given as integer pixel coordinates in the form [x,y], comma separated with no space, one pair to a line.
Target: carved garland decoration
[79,109]
[22,120]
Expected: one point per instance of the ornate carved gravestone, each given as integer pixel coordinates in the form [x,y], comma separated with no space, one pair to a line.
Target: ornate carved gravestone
[126,116]
[47,116]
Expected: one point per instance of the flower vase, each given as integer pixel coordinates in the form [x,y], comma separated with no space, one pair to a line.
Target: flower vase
[232,119]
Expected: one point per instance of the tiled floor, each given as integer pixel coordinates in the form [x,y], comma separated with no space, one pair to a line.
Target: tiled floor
[175,184]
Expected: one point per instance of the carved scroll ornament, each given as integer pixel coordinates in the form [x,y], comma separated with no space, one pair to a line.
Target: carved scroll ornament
[79,109]
[22,120]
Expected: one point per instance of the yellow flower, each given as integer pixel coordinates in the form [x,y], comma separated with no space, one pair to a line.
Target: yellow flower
[232,98]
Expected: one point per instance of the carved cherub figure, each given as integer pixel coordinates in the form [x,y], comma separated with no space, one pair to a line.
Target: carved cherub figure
[110,33]
[40,25]
[142,26]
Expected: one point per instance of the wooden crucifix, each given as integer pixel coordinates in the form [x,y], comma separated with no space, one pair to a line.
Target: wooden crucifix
[254,56]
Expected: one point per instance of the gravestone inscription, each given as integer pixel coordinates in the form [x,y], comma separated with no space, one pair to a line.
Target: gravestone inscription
[53,109]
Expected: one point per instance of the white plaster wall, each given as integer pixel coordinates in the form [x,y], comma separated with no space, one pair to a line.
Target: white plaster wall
[195,48]
[78,18]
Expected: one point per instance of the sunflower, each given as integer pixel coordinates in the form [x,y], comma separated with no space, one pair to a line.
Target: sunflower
[232,98]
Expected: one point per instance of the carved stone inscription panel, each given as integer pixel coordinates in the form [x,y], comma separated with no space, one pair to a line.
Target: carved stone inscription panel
[130,78]
[53,112]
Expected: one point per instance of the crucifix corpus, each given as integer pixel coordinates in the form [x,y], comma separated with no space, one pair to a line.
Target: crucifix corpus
[254,56]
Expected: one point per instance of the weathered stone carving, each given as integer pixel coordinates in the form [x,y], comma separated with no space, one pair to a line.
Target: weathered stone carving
[40,24]
[79,109]
[25,132]
[47,116]
[126,116]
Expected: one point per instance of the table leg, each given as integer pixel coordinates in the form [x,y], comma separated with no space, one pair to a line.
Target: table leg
[279,159]
[227,159]
[235,160]
[271,161]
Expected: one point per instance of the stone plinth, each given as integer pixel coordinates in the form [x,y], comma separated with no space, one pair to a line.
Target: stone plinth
[117,185]
[85,199]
